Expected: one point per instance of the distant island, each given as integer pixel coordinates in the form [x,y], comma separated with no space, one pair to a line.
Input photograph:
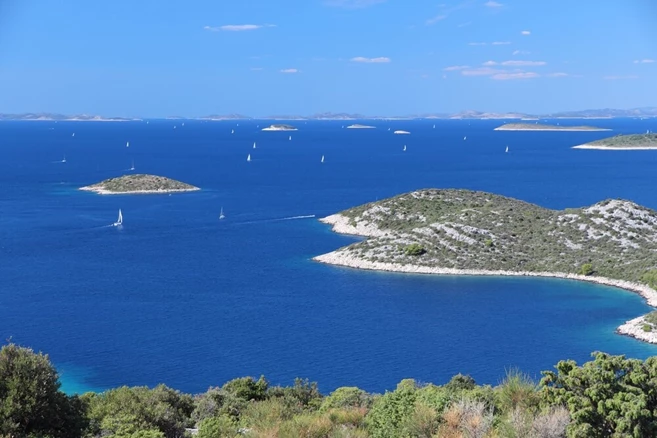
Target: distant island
[139,184]
[357,126]
[279,128]
[50,117]
[401,132]
[462,232]
[623,142]
[542,127]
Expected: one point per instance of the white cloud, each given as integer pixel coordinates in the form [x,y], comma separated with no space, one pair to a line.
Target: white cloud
[521,52]
[525,32]
[456,68]
[236,27]
[613,78]
[501,43]
[489,63]
[493,4]
[644,61]
[482,71]
[352,4]
[517,75]
[381,59]
[557,75]
[435,19]
[477,44]
[290,70]
[523,63]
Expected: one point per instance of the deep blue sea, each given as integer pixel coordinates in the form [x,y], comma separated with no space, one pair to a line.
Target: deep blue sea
[177,296]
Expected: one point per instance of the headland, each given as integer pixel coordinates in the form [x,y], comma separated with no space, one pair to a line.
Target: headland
[635,142]
[543,127]
[280,128]
[139,184]
[463,232]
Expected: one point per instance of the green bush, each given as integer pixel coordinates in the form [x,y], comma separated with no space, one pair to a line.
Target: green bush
[586,269]
[414,249]
[647,328]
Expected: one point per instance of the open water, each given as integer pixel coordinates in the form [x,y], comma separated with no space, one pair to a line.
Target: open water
[179,297]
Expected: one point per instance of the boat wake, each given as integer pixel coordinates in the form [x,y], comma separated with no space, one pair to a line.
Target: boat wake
[289,218]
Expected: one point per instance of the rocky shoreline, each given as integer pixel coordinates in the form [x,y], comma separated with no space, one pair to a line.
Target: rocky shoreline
[614,148]
[102,191]
[341,224]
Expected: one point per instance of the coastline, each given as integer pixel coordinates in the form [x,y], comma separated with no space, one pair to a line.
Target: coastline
[340,224]
[612,148]
[278,129]
[552,129]
[102,191]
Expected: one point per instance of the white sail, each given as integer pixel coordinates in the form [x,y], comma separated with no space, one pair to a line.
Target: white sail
[254,145]
[248,157]
[404,148]
[322,158]
[133,165]
[465,138]
[119,220]
[127,144]
[64,159]
[232,131]
[290,137]
[507,149]
[221,213]
[434,126]
[73,135]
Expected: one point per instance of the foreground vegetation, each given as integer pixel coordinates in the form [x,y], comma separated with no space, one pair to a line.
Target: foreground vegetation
[469,230]
[609,396]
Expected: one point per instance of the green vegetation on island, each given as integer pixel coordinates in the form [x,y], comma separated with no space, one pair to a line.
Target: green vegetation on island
[139,183]
[542,127]
[280,127]
[632,141]
[610,396]
[470,230]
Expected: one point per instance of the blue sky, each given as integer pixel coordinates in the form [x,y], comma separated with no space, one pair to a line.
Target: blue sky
[154,58]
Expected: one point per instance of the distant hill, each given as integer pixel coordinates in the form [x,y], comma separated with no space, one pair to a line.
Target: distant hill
[62,117]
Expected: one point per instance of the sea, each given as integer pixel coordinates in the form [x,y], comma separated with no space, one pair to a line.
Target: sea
[179,297]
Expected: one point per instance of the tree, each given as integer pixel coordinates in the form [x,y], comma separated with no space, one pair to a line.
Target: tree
[414,249]
[608,397]
[586,269]
[30,401]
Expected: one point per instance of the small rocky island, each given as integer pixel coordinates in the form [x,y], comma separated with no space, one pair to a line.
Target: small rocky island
[139,184]
[462,232]
[357,126]
[279,128]
[543,127]
[623,142]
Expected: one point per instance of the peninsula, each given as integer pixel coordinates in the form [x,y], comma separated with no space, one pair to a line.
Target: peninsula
[139,184]
[623,142]
[462,232]
[541,127]
[279,128]
[357,126]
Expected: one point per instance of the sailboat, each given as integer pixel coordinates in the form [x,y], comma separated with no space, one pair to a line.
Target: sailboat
[290,137]
[221,213]
[133,165]
[248,157]
[322,158]
[73,135]
[404,148]
[127,144]
[232,131]
[119,220]
[507,149]
[465,138]
[254,145]
[64,159]
[434,126]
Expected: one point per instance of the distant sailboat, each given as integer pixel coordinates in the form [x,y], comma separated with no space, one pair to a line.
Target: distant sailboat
[73,135]
[174,127]
[119,220]
[232,131]
[290,137]
[465,138]
[507,149]
[404,148]
[254,145]
[133,165]
[434,126]
[127,144]
[221,213]
[322,158]
[64,159]
[248,157]
[183,123]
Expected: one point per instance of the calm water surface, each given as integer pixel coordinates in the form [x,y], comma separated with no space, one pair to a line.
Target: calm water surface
[179,297]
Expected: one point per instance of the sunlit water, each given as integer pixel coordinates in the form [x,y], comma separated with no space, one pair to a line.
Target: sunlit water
[179,297]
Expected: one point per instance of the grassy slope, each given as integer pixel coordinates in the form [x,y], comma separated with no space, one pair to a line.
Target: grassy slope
[138,182]
[477,230]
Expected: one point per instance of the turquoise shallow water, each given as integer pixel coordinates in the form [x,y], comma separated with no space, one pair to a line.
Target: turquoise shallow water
[177,296]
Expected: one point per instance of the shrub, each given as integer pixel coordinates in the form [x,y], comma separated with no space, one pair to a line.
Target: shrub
[414,249]
[347,397]
[217,427]
[647,328]
[586,269]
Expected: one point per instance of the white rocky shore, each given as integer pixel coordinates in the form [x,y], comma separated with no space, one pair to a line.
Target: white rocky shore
[102,191]
[612,148]
[341,257]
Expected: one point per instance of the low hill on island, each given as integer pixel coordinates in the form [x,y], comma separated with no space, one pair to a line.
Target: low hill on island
[542,127]
[140,183]
[620,142]
[443,230]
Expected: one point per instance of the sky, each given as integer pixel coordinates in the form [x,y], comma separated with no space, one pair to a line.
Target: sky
[159,58]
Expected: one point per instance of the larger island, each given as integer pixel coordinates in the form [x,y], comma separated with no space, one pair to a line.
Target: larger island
[463,232]
[139,184]
[543,127]
[280,127]
[623,142]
